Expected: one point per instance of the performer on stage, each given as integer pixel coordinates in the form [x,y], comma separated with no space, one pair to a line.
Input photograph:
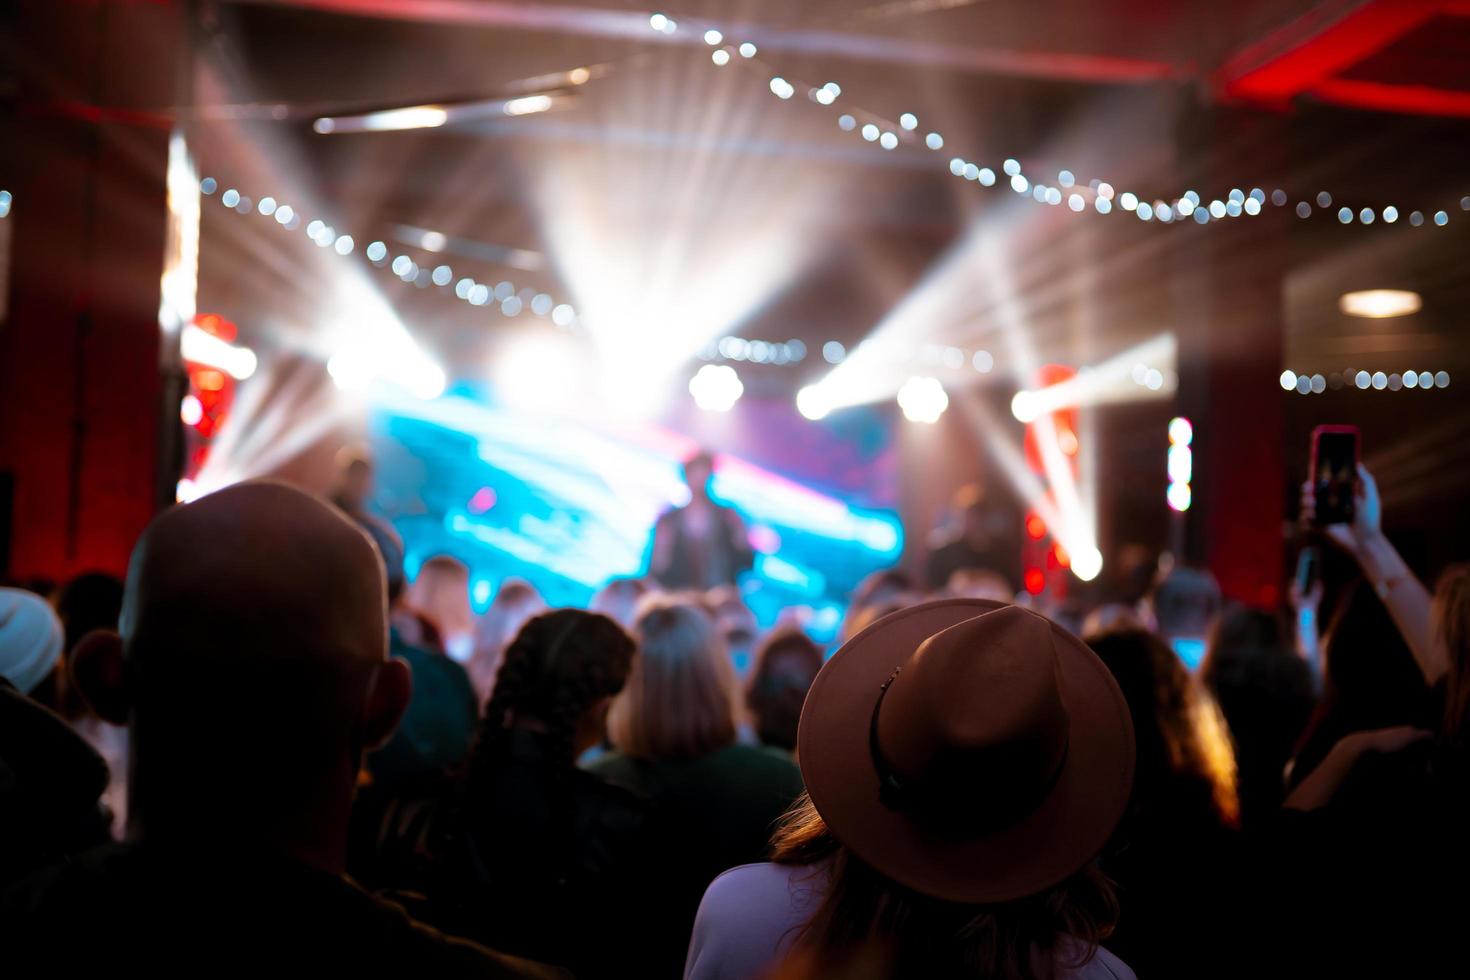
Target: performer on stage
[352,485]
[702,544]
[978,543]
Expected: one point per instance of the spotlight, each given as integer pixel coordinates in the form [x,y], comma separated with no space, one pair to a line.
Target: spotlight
[716,388]
[410,117]
[1087,563]
[191,411]
[922,400]
[812,404]
[199,346]
[527,105]
[1023,406]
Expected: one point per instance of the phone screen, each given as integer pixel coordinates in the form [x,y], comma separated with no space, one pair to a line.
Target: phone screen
[1335,461]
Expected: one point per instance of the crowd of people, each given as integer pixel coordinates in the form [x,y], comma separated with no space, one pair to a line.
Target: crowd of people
[266,748]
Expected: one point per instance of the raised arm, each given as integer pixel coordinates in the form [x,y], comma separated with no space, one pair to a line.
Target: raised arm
[1305,606]
[1405,597]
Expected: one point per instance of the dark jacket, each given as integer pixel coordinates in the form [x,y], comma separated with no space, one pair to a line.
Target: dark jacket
[1373,884]
[437,728]
[711,813]
[51,780]
[541,860]
[702,564]
[138,911]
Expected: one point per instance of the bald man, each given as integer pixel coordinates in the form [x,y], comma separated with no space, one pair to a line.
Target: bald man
[252,671]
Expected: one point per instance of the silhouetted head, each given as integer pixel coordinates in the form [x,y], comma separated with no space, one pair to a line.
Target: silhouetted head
[91,601]
[1185,602]
[252,669]
[619,599]
[558,677]
[698,469]
[785,666]
[353,485]
[441,592]
[1250,660]
[30,639]
[1184,751]
[969,505]
[680,698]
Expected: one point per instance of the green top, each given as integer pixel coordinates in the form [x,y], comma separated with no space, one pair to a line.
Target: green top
[710,813]
[734,794]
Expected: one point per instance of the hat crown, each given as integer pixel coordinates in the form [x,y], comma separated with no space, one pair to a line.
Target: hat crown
[971,732]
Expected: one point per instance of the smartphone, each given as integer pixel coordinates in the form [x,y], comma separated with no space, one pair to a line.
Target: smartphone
[1306,570]
[1334,472]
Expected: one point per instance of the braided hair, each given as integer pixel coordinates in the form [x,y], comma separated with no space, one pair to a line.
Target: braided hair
[558,667]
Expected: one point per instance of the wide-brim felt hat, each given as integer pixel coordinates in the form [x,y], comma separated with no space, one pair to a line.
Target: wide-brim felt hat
[969,750]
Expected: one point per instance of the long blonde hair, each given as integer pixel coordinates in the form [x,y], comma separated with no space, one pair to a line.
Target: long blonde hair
[1451,610]
[868,925]
[679,702]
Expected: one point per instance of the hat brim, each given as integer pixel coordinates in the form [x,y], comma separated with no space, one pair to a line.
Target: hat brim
[1052,842]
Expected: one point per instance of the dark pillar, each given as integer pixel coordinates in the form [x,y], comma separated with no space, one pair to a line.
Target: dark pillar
[85,154]
[1231,319]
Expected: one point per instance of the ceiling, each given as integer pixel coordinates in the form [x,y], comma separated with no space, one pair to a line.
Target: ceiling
[684,179]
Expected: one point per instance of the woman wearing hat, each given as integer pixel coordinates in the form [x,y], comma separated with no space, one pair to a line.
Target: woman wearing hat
[965,762]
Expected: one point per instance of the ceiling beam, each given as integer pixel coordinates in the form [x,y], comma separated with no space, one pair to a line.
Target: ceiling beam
[1306,56]
[633,26]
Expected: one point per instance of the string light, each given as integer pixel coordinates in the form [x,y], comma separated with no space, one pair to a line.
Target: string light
[1165,211]
[1316,384]
[403,266]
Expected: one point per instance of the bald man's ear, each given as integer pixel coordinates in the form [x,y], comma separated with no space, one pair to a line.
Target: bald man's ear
[387,702]
[96,667]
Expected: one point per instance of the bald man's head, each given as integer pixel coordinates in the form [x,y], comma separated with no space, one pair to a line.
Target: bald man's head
[258,570]
[252,663]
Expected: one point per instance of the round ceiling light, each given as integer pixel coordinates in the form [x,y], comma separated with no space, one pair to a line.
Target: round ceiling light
[1379,303]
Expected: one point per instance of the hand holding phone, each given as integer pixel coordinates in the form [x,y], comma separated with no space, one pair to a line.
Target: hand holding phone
[1364,519]
[1334,474]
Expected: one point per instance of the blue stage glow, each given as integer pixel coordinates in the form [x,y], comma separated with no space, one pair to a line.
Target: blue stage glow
[569,507]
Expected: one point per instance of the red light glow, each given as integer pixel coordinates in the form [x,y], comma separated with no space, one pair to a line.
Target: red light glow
[1035,581]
